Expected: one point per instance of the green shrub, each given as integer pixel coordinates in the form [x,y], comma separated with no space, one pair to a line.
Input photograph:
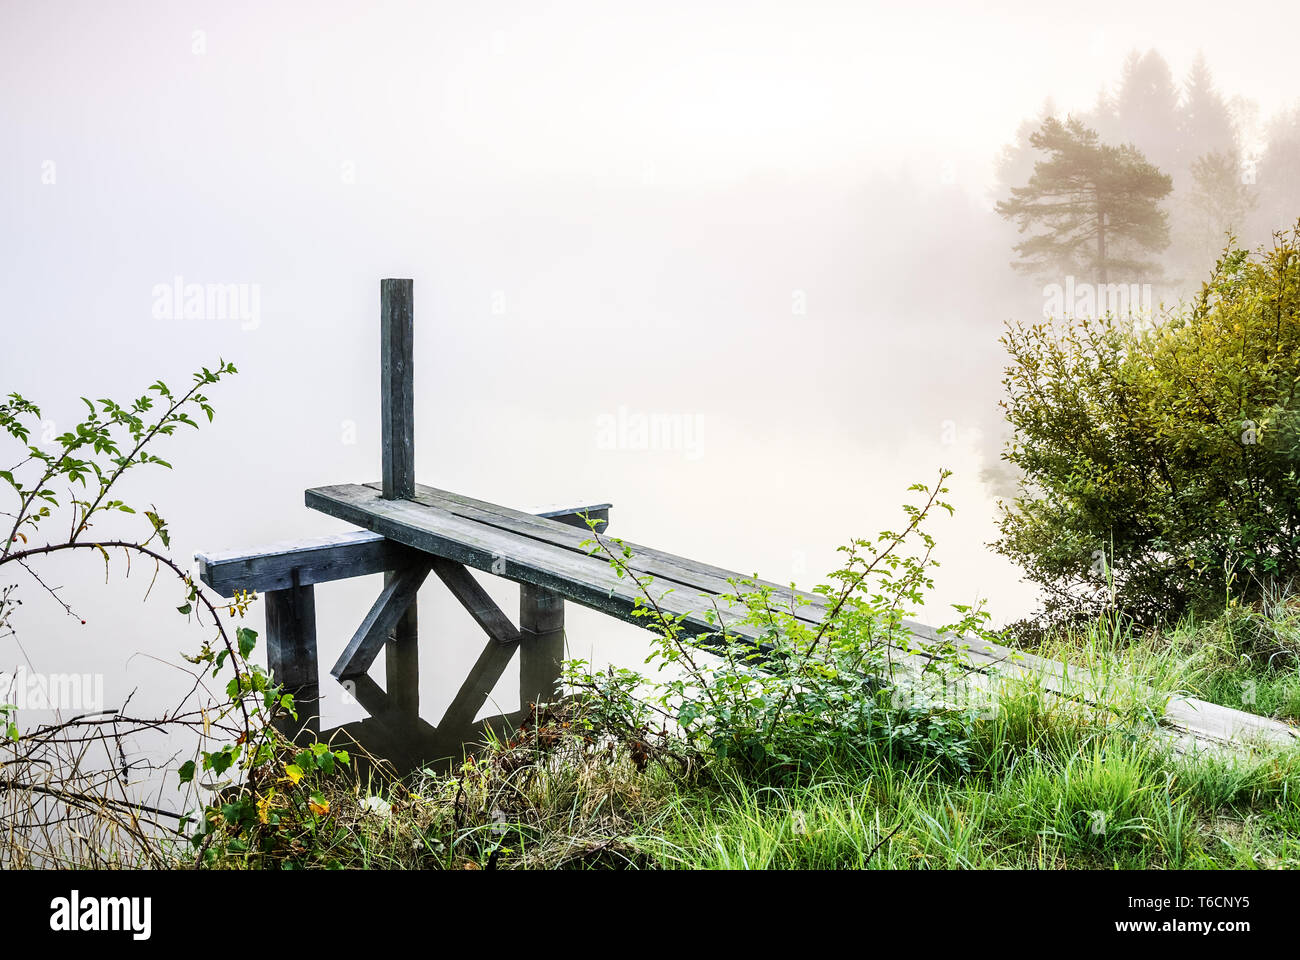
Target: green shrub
[780,690]
[1159,460]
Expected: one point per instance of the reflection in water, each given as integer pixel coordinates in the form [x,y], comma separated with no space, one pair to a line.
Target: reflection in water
[396,735]
[410,746]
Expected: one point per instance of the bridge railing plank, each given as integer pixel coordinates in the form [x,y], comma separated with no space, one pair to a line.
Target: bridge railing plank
[314,560]
[338,556]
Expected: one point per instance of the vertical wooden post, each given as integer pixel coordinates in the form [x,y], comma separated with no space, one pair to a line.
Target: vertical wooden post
[291,652]
[541,628]
[402,662]
[397,395]
[541,644]
[397,387]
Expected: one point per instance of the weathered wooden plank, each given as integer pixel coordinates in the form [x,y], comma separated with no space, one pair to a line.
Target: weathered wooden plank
[544,558]
[676,574]
[397,386]
[573,575]
[645,559]
[576,516]
[548,555]
[683,572]
[1224,725]
[476,601]
[698,577]
[338,556]
[379,623]
[314,560]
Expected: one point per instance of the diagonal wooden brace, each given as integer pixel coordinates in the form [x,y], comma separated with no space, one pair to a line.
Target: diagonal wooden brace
[475,599]
[370,637]
[503,638]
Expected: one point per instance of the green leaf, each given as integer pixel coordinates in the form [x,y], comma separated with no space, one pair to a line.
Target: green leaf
[221,761]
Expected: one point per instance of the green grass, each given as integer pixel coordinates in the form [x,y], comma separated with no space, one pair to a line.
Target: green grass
[1046,792]
[1247,659]
[1112,804]
[1050,784]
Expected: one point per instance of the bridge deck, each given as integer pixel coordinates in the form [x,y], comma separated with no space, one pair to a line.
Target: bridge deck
[530,549]
[545,553]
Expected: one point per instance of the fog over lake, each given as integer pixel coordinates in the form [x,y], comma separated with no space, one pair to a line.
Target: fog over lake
[732,267]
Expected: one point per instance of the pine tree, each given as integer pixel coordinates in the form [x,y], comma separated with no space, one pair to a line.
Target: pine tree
[1205,123]
[1099,206]
[1278,173]
[1146,109]
[1016,161]
[1211,200]
[1218,204]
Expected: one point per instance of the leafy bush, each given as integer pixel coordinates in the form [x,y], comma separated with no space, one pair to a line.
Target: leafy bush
[1159,461]
[276,813]
[782,687]
[50,777]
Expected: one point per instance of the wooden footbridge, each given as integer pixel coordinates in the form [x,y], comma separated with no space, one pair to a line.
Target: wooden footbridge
[408,530]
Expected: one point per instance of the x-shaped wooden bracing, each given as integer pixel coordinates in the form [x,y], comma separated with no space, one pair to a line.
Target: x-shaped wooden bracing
[286,574]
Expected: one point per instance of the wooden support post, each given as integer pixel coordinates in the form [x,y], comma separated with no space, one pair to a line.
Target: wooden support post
[397,395]
[397,387]
[541,644]
[291,652]
[541,621]
[402,660]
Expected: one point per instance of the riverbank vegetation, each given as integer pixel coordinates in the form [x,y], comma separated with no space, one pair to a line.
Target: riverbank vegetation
[1045,782]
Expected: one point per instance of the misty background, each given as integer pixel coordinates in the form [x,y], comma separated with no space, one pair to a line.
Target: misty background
[773,223]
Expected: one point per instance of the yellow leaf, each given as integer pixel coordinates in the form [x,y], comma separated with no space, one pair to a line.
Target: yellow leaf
[293,772]
[319,809]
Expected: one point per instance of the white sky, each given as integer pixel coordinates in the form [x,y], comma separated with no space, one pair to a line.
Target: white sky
[683,91]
